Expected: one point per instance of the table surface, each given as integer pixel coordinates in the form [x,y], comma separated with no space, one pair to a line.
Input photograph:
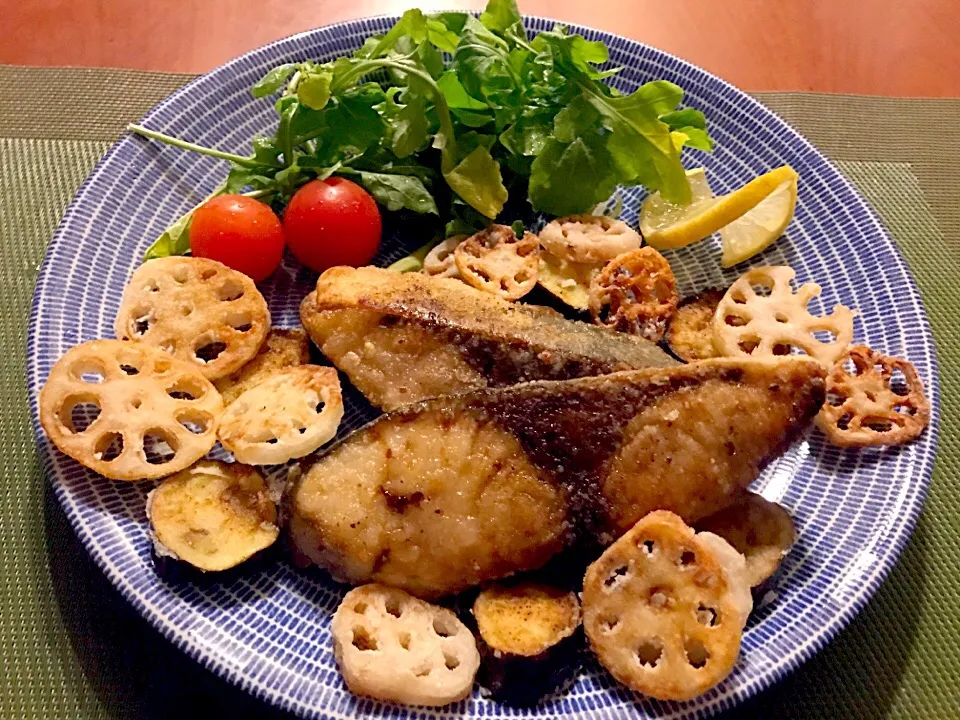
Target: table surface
[873,47]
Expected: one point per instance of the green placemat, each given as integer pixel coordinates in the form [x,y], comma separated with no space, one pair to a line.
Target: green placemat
[70,646]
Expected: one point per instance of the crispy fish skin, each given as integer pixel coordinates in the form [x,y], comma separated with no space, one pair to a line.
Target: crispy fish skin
[454,491]
[402,338]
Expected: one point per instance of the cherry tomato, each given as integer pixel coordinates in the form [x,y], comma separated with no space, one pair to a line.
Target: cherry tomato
[332,222]
[241,232]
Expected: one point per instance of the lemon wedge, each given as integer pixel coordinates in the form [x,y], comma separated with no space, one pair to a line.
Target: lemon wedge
[758,228]
[768,200]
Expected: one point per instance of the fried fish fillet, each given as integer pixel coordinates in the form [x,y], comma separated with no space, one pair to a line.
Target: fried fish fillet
[454,491]
[402,338]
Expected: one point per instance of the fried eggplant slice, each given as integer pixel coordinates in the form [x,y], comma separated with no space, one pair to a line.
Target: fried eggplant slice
[405,337]
[529,640]
[282,349]
[213,515]
[690,332]
[454,491]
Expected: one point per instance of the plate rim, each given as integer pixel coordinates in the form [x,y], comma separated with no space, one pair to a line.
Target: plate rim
[734,697]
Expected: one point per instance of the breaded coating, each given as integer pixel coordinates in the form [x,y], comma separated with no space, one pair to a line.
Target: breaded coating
[455,491]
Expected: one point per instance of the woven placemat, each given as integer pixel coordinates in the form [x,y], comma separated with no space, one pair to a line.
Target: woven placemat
[70,646]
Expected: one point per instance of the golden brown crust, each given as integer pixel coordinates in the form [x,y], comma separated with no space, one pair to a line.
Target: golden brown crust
[748,324]
[144,396]
[635,293]
[404,337]
[664,608]
[868,406]
[690,332]
[519,473]
[198,310]
[496,261]
[281,349]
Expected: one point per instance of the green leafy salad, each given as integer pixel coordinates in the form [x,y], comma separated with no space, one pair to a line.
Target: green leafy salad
[449,115]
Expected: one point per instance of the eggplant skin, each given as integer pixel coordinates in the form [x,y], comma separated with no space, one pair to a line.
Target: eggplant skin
[401,338]
[530,641]
[455,491]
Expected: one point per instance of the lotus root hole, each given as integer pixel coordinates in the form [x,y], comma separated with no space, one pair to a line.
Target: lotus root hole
[422,671]
[159,446]
[360,608]
[404,639]
[659,597]
[824,336]
[108,447]
[78,414]
[443,627]
[898,382]
[180,274]
[835,399]
[738,297]
[609,623]
[781,318]
[748,346]
[706,579]
[393,606]
[161,366]
[185,389]
[876,424]
[905,409]
[196,422]
[208,273]
[762,287]
[688,558]
[151,286]
[648,547]
[697,653]
[231,290]
[362,640]
[186,310]
[615,577]
[649,652]
[90,371]
[450,660]
[850,367]
[129,369]
[781,349]
[844,421]
[209,352]
[707,616]
[136,403]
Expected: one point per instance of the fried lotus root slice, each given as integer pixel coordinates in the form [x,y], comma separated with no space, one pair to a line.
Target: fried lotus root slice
[497,261]
[440,260]
[287,416]
[392,646]
[690,333]
[281,349]
[213,515]
[881,402]
[588,238]
[635,293]
[198,310]
[758,529]
[129,411]
[664,608]
[748,324]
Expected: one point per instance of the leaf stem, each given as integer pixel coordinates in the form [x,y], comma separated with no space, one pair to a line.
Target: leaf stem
[185,145]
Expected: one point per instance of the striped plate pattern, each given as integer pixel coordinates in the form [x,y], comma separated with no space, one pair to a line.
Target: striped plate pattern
[268,630]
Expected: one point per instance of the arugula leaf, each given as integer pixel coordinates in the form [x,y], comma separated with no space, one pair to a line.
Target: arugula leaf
[456,95]
[313,90]
[482,64]
[273,80]
[410,127]
[441,36]
[399,192]
[477,180]
[501,15]
[175,240]
[571,178]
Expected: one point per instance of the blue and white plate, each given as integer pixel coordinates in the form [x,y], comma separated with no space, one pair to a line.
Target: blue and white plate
[268,630]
